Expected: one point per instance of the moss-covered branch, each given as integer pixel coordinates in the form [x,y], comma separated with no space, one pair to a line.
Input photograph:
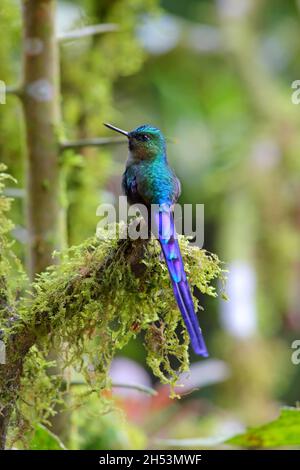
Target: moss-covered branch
[102,294]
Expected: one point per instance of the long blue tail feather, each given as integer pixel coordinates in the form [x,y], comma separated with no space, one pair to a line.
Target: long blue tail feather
[170,248]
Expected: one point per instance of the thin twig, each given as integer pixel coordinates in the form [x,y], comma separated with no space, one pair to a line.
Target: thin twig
[87,31]
[193,443]
[95,142]
[13,90]
[140,388]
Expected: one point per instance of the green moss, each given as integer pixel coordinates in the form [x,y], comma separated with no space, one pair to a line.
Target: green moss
[92,305]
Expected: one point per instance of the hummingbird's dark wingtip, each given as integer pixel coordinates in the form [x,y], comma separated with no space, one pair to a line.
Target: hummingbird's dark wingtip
[110,126]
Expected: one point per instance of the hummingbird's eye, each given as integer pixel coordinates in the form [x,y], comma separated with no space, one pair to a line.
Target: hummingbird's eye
[145,137]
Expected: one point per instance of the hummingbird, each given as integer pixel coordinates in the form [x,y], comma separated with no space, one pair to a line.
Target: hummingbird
[149,180]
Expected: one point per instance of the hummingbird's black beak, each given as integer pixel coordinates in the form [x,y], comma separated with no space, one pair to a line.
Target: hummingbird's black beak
[116,129]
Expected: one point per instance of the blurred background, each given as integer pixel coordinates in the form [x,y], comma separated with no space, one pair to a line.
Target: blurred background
[216,77]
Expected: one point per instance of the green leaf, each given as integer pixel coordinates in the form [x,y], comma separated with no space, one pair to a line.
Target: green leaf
[43,439]
[283,432]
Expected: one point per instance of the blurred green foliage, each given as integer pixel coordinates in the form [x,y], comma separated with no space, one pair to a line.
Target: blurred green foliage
[283,432]
[93,429]
[43,439]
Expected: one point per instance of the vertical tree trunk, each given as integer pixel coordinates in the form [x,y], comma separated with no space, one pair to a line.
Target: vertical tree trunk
[42,117]
[41,103]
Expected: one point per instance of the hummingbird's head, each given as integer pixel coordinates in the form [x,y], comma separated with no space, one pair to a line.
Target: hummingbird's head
[145,142]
